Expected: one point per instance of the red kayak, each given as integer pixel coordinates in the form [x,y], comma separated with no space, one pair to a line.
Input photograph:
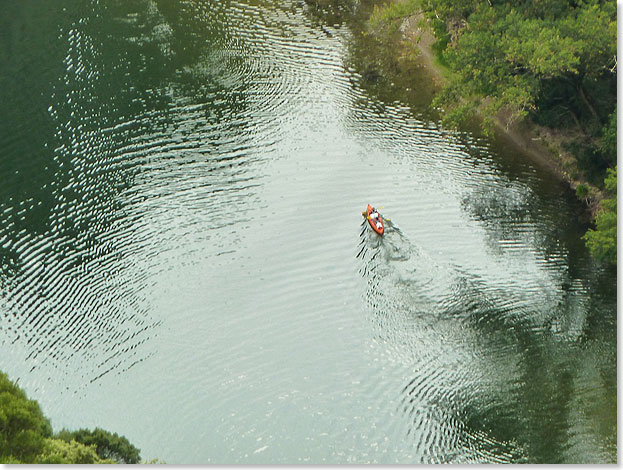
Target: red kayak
[375,220]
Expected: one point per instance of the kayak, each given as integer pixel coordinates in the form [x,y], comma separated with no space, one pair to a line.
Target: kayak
[376,223]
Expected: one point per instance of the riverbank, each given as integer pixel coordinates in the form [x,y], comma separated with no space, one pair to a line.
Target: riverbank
[543,145]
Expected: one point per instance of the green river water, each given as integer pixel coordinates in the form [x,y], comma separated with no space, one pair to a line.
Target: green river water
[183,260]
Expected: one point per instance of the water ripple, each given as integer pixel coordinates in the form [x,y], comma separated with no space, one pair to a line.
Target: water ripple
[179,217]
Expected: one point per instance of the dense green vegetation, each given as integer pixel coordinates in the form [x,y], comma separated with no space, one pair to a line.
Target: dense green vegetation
[26,436]
[548,62]
[107,445]
[603,241]
[552,60]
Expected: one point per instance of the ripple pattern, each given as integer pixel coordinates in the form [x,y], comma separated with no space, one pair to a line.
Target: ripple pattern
[178,220]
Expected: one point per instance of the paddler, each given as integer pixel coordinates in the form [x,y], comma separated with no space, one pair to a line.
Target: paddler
[374,215]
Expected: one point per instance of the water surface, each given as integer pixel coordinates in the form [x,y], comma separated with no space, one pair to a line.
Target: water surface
[183,260]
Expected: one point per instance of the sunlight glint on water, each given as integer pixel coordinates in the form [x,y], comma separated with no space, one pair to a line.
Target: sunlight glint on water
[183,259]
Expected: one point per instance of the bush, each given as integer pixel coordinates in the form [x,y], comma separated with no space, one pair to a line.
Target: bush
[608,144]
[581,191]
[602,242]
[26,436]
[58,451]
[107,445]
[23,428]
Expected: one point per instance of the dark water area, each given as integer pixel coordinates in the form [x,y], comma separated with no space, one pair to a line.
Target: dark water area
[183,259]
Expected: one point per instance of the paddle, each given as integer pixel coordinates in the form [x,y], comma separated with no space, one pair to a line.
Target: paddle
[382,218]
[368,217]
[364,213]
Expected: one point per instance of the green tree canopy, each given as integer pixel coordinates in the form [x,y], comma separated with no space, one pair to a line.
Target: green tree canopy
[26,436]
[106,444]
[553,61]
[58,451]
[602,242]
[23,428]
[522,56]
[608,144]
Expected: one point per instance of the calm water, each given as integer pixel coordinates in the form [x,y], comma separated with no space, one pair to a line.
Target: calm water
[182,259]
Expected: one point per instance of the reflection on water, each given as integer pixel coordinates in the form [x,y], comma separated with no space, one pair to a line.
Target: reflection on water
[511,363]
[182,185]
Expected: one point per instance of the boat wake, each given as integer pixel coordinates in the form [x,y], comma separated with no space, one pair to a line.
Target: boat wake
[422,314]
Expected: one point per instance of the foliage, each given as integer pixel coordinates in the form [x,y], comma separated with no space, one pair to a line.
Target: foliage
[552,60]
[107,445]
[26,436]
[58,451]
[23,428]
[608,144]
[602,242]
[386,15]
[510,51]
[581,191]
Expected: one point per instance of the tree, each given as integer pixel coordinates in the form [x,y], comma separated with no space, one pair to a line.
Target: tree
[107,445]
[608,144]
[602,242]
[58,451]
[26,436]
[23,427]
[509,53]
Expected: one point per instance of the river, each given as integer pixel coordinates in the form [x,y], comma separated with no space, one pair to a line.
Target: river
[183,260]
